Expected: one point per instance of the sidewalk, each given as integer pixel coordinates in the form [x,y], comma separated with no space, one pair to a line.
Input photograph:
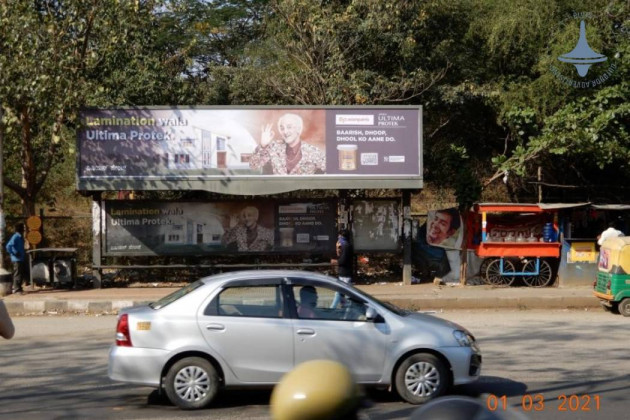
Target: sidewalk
[415,297]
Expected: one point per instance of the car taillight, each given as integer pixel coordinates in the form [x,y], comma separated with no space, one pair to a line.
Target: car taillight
[122,332]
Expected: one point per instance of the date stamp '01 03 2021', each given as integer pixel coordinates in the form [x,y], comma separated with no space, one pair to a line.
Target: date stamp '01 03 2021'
[537,402]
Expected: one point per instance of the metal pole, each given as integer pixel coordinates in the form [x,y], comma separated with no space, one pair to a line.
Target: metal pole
[97,229]
[540,184]
[2,221]
[407,257]
[4,274]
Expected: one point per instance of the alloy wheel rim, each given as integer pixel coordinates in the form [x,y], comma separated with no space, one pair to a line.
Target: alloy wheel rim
[422,379]
[192,383]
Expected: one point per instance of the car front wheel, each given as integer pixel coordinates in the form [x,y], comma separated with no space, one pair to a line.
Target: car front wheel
[421,377]
[191,383]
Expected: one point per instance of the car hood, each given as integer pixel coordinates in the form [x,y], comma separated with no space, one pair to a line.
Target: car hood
[427,320]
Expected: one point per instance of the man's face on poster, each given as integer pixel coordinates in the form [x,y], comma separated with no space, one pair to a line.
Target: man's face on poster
[249,217]
[439,228]
[290,127]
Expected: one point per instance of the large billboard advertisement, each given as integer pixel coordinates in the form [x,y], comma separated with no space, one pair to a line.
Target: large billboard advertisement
[135,227]
[224,149]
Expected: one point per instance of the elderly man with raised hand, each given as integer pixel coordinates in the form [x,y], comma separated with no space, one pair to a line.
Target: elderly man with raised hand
[248,235]
[290,156]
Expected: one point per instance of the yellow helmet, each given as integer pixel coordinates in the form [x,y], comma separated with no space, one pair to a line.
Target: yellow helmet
[315,390]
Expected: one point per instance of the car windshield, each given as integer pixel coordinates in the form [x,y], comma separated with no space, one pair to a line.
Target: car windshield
[395,309]
[166,300]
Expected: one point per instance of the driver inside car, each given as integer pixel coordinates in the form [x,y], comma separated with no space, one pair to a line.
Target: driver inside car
[308,302]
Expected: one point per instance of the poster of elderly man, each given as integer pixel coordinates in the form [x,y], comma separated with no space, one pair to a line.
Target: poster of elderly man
[287,153]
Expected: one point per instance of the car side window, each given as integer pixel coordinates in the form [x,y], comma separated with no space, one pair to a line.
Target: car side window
[324,303]
[248,301]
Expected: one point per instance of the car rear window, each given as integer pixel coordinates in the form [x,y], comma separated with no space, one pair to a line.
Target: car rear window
[167,300]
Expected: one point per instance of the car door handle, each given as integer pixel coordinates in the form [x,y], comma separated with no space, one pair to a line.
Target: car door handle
[215,327]
[305,331]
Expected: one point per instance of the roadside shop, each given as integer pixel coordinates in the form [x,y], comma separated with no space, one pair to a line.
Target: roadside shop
[582,224]
[533,244]
[515,243]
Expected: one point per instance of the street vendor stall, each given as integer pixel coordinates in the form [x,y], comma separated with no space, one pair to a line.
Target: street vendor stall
[516,241]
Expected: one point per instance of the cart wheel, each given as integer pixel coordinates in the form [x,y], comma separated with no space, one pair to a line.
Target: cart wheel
[544,276]
[493,273]
[484,266]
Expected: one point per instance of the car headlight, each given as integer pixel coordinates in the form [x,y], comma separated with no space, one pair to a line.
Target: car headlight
[465,339]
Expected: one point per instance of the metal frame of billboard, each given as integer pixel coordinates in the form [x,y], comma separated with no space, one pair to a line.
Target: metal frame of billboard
[242,182]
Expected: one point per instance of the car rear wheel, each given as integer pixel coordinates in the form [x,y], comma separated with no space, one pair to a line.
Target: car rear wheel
[421,377]
[624,307]
[191,383]
[613,308]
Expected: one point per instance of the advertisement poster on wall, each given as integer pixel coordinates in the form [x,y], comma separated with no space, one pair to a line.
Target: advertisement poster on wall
[376,225]
[190,144]
[445,228]
[436,247]
[193,228]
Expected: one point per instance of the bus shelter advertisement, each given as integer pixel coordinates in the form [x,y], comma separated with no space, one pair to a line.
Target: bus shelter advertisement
[212,143]
[138,228]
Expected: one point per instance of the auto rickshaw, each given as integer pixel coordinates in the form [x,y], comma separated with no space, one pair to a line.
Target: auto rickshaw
[612,286]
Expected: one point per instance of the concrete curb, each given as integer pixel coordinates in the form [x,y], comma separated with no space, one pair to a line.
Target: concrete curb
[498,303]
[92,307]
[60,307]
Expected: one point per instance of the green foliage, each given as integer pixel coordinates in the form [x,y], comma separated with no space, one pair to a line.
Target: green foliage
[595,126]
[360,52]
[57,57]
[482,70]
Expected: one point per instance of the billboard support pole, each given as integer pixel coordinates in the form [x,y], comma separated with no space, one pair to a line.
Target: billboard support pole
[97,235]
[406,202]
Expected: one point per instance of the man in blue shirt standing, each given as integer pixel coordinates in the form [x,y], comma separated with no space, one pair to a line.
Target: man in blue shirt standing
[15,248]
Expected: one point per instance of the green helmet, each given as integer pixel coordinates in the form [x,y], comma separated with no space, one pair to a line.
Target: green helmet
[315,390]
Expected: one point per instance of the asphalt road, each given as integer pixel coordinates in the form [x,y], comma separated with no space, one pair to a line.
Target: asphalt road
[537,364]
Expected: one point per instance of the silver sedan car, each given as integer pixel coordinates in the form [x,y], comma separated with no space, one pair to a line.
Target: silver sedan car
[249,328]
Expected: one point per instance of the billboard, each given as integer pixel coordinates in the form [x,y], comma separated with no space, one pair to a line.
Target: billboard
[230,150]
[138,228]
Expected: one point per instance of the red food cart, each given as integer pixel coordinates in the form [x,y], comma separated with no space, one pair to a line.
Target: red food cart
[516,241]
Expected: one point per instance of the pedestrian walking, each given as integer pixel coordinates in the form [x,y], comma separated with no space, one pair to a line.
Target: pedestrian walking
[15,248]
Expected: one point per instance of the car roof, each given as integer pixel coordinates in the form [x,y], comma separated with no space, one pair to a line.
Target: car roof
[266,273]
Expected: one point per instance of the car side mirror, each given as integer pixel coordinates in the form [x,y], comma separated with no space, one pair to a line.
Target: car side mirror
[372,316]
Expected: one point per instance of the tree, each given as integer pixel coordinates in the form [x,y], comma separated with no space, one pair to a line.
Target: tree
[342,52]
[577,136]
[59,56]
